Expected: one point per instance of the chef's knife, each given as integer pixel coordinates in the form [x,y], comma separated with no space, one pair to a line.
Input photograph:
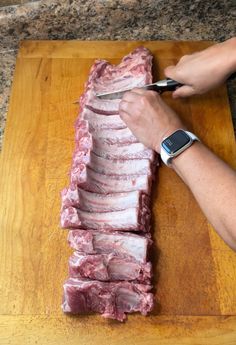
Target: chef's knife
[160,86]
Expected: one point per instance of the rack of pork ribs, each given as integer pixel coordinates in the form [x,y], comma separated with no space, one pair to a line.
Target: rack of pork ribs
[107,204]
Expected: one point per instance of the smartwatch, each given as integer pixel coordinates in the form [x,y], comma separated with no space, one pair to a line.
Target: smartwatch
[175,144]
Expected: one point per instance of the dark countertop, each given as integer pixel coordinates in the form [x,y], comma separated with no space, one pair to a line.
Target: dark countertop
[111,20]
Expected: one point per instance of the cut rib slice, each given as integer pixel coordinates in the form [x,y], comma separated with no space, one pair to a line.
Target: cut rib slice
[131,219]
[110,167]
[94,202]
[108,267]
[100,183]
[109,144]
[101,106]
[100,122]
[123,152]
[121,244]
[120,167]
[112,300]
[108,136]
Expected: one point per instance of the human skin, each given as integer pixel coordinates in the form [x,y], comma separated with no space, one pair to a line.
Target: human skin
[204,70]
[212,181]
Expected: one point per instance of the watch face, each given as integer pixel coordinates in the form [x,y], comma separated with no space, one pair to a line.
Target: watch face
[175,141]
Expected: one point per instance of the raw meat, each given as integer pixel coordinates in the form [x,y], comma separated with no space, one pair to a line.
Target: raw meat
[108,136]
[108,197]
[131,219]
[125,245]
[108,267]
[112,300]
[99,121]
[95,182]
[119,167]
[102,143]
[94,202]
[129,151]
[134,70]
[104,107]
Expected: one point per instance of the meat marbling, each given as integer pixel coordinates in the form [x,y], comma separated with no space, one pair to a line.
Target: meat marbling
[124,245]
[108,267]
[109,196]
[112,300]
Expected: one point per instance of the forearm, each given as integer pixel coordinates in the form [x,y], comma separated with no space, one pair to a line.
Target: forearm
[202,71]
[230,54]
[213,184]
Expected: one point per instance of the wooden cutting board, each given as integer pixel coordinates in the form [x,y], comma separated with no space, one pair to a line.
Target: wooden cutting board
[195,272]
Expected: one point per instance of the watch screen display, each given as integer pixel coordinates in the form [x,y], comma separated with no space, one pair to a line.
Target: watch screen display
[175,141]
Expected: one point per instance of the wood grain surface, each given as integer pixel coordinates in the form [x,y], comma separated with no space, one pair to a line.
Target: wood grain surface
[195,272]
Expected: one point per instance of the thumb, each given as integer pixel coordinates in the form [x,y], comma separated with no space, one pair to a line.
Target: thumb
[184,91]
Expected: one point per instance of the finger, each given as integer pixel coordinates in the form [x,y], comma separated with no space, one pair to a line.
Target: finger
[184,91]
[126,107]
[139,91]
[130,96]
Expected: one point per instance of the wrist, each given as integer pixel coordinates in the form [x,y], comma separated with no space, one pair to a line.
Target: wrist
[166,134]
[180,161]
[175,144]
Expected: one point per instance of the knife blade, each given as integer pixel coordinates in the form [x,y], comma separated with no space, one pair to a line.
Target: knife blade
[160,86]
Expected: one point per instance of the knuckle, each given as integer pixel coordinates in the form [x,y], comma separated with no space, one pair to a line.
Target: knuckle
[184,58]
[153,94]
[144,100]
[137,114]
[122,105]
[178,72]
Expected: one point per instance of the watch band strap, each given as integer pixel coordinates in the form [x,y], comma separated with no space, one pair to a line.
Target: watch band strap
[192,136]
[166,158]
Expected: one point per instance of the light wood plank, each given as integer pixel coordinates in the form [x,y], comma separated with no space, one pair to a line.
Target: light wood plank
[105,49]
[162,330]
[195,273]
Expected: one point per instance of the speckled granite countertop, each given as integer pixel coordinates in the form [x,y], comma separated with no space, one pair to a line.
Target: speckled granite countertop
[112,20]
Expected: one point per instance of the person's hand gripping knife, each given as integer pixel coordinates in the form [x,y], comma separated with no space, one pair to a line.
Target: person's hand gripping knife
[212,182]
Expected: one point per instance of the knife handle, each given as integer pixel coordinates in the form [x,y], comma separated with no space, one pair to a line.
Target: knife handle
[171,85]
[232,77]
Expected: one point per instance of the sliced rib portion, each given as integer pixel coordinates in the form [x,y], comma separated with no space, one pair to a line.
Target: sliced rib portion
[119,167]
[125,245]
[131,219]
[93,181]
[126,151]
[100,183]
[94,202]
[112,300]
[109,144]
[101,106]
[108,267]
[99,121]
[120,136]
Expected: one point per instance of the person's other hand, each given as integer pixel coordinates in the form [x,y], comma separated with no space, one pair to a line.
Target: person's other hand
[148,117]
[204,70]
